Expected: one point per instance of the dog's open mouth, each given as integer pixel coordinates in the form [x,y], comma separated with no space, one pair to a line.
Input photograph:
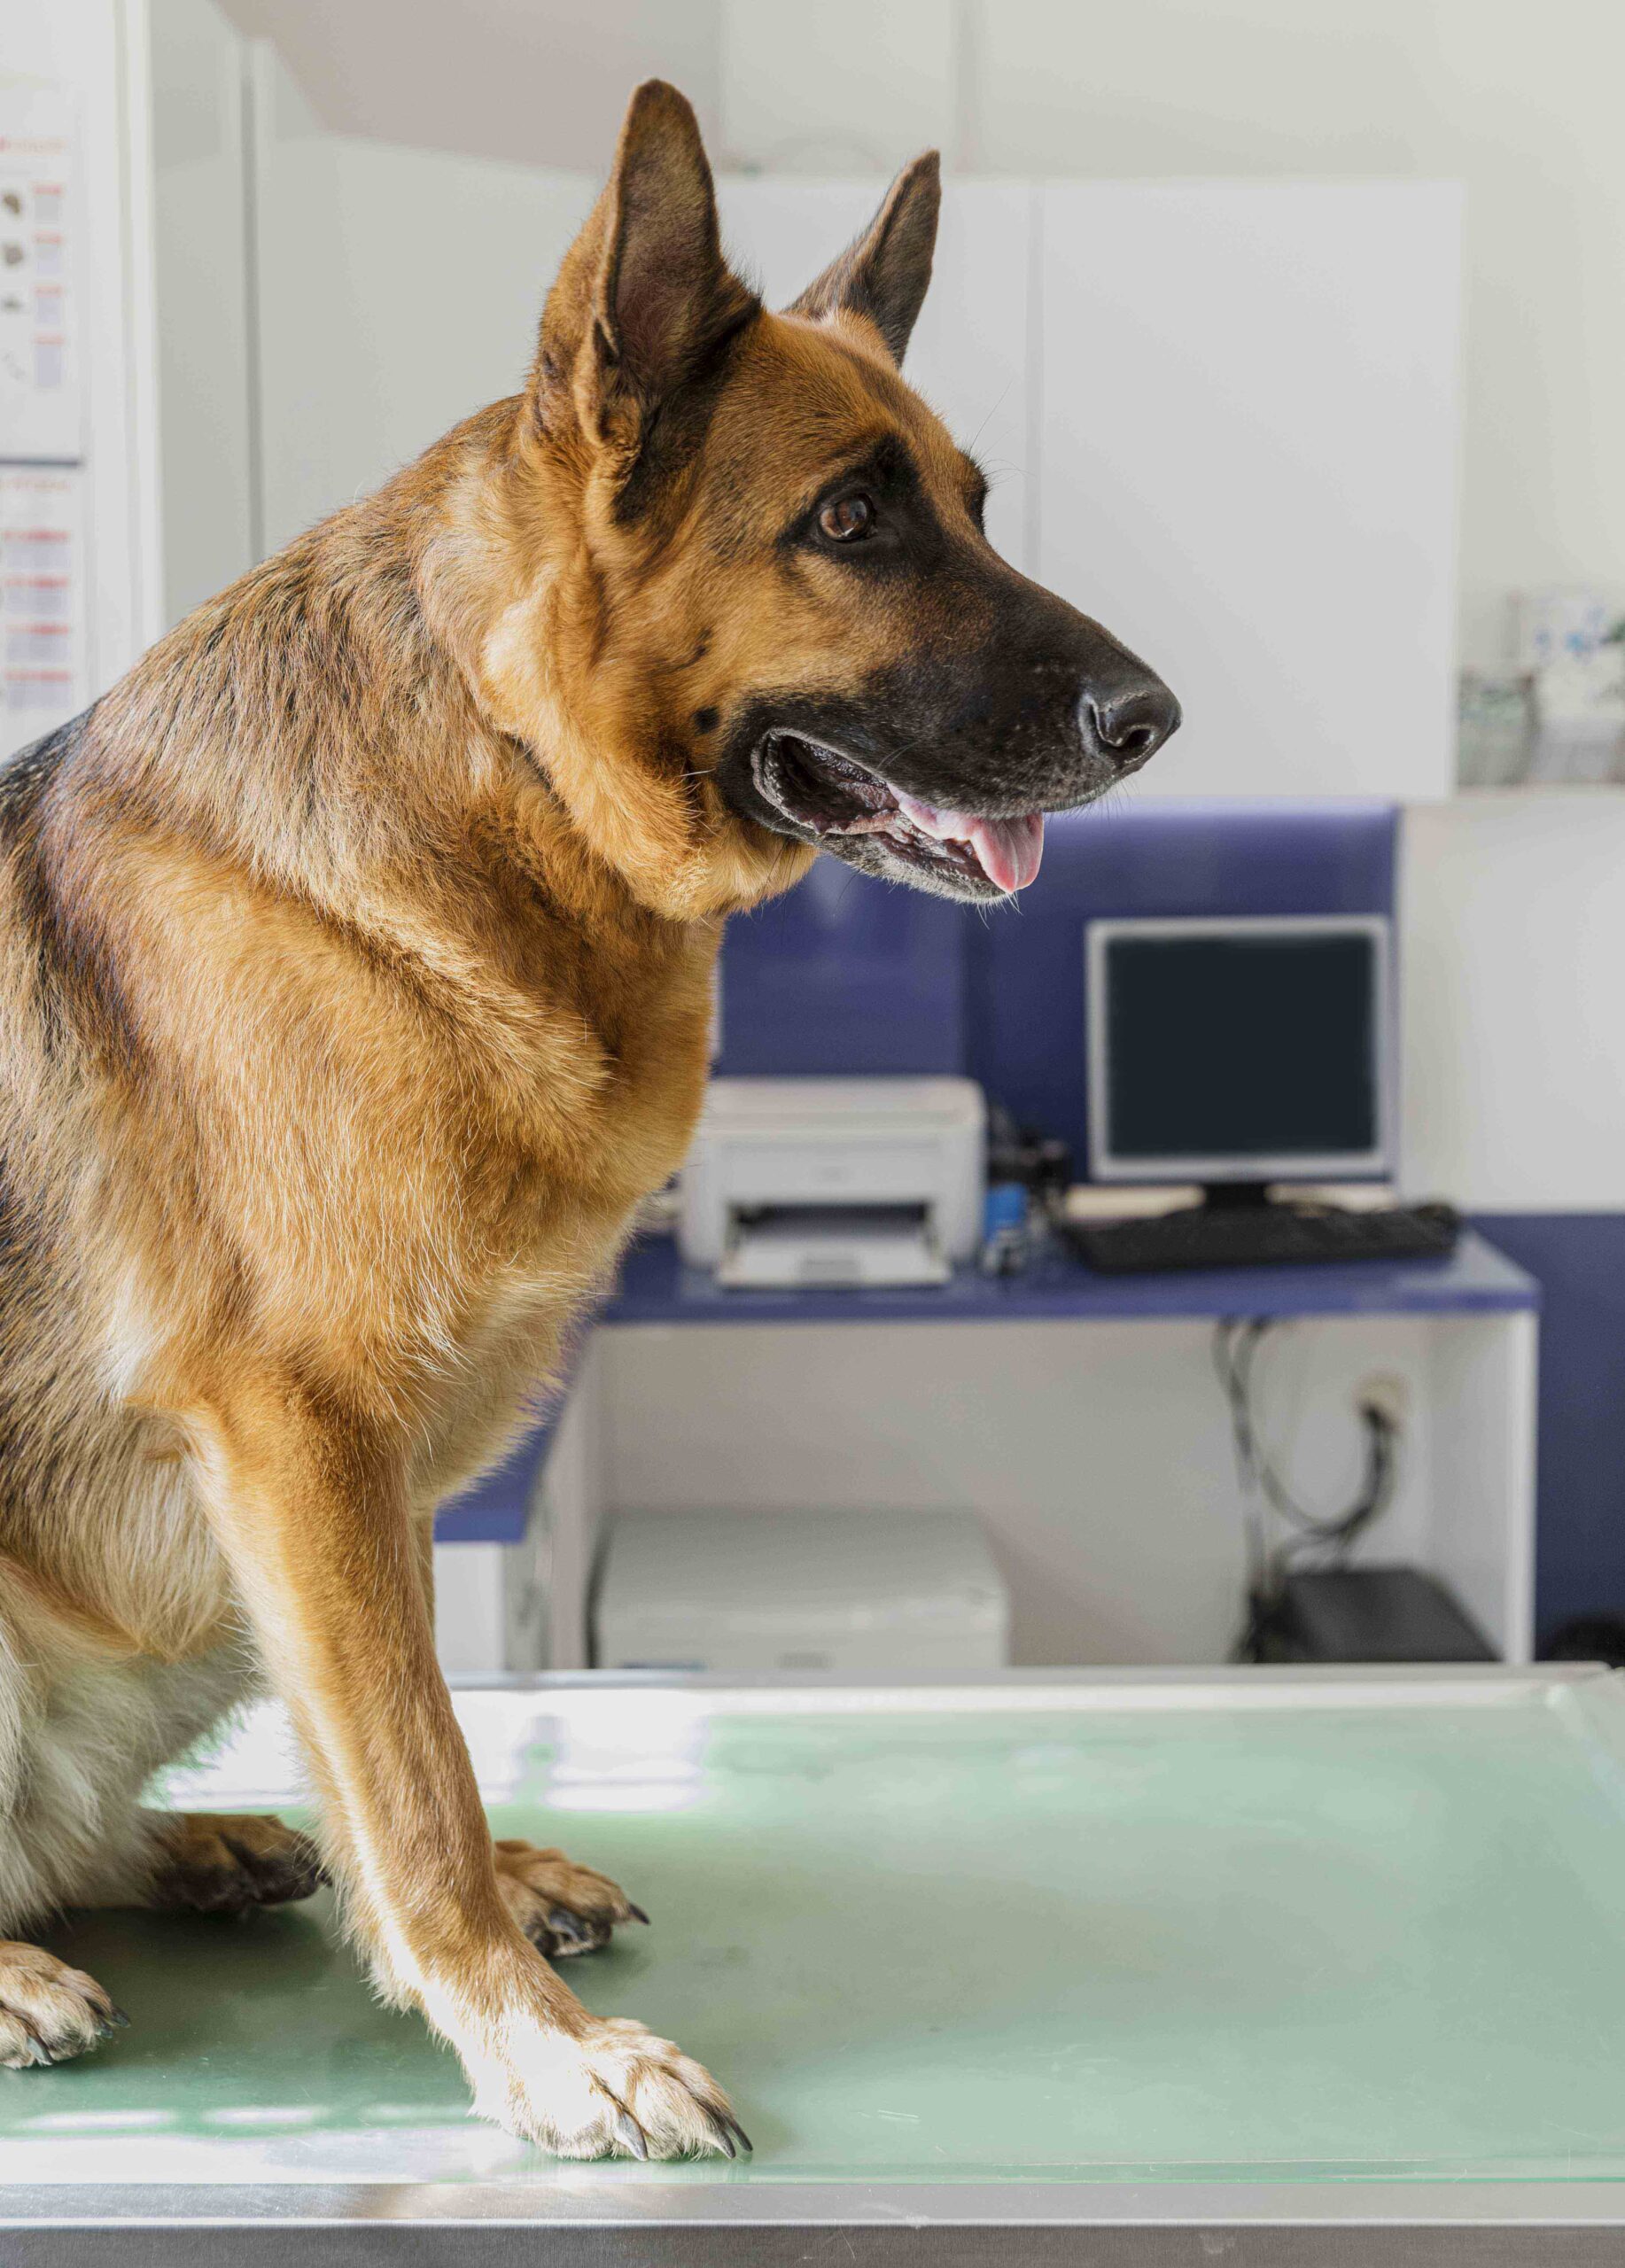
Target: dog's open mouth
[836,798]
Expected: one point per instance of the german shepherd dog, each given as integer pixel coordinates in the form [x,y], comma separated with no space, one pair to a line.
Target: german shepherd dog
[355,963]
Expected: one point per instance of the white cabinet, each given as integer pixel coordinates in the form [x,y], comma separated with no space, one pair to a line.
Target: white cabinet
[1248,439]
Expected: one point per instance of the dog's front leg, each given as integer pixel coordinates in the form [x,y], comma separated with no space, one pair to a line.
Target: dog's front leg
[310,1506]
[561,1909]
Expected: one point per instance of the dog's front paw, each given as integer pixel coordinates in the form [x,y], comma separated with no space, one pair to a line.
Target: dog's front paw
[561,1909]
[49,2011]
[614,2090]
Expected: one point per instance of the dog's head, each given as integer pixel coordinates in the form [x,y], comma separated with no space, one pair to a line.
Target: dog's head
[767,590]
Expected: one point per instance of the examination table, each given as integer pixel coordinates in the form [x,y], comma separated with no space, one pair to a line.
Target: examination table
[1133,1967]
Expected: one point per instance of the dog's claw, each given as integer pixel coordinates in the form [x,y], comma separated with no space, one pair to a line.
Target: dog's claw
[637,1913]
[720,2133]
[745,2143]
[628,2132]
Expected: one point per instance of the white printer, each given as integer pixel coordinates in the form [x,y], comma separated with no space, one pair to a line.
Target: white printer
[815,1181]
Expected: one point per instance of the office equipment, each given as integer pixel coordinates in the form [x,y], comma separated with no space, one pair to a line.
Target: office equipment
[873,1594]
[1263,1966]
[1217,1235]
[1368,1615]
[833,1182]
[1240,1051]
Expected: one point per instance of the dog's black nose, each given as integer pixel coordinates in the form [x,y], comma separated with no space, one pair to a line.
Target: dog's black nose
[1125,724]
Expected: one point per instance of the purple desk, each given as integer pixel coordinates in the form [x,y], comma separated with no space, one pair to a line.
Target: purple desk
[656,1288]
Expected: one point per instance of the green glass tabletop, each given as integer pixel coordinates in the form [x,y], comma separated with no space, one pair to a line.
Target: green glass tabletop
[1188,1942]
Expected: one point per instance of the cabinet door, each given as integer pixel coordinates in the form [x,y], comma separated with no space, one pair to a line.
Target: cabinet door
[1248,424]
[970,352]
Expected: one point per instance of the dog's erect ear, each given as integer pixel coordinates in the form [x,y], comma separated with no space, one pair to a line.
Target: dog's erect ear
[883,275]
[644,293]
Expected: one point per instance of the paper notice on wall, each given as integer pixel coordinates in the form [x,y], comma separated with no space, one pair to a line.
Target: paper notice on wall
[43,657]
[39,231]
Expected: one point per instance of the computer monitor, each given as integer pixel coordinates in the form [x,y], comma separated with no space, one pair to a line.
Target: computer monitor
[1240,1051]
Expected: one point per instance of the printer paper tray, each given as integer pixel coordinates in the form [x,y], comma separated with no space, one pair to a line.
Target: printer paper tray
[828,1247]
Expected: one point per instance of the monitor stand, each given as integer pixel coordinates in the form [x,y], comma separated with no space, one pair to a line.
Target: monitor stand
[1236,1196]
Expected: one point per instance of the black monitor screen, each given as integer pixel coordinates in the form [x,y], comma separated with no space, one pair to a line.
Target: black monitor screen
[1242,1047]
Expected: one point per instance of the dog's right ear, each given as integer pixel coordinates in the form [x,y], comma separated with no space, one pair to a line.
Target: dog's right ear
[644,294]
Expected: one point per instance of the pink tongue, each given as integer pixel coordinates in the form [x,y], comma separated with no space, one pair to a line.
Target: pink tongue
[1007,850]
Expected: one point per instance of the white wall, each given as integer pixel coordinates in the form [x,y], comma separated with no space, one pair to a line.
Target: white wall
[398,291]
[542,82]
[199,162]
[1514,945]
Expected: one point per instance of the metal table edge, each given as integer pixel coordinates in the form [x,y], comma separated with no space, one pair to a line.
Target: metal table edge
[828,2204]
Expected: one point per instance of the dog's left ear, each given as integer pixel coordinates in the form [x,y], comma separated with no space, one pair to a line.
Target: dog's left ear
[883,274]
[644,293]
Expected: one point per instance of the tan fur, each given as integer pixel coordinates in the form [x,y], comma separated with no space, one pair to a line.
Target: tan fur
[355,967]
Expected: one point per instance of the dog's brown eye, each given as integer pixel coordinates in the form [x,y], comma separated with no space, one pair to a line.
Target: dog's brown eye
[847,519]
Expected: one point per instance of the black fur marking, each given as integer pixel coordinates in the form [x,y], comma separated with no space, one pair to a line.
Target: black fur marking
[25,777]
[32,1465]
[77,989]
[677,427]
[706,720]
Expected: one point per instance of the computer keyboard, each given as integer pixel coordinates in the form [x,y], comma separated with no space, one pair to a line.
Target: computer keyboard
[1264,1236]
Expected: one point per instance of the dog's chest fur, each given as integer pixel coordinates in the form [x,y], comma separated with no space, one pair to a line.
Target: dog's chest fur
[511,1177]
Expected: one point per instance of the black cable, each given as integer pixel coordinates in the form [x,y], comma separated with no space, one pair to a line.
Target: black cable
[1236,1341]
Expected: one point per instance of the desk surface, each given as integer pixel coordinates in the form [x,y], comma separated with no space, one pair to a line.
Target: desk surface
[1143,1947]
[1476,1279]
